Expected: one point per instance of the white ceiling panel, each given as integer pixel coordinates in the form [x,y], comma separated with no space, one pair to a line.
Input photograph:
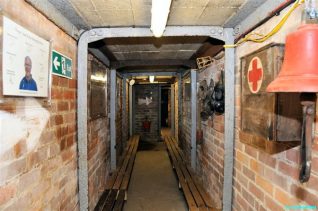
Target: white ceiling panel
[117,17]
[189,3]
[213,14]
[189,16]
[112,4]
[138,12]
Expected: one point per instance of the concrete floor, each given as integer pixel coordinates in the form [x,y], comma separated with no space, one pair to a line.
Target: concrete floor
[153,185]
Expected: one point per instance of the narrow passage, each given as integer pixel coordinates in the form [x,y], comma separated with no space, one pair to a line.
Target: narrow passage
[153,185]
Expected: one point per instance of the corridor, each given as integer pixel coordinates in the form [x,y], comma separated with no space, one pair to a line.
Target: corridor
[158,105]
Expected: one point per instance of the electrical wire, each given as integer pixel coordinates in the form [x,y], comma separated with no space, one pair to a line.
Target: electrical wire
[259,38]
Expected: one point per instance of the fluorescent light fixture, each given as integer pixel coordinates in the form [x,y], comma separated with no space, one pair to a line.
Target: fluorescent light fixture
[151,78]
[132,82]
[159,16]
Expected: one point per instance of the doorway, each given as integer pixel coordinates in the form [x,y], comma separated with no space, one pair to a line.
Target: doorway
[165,110]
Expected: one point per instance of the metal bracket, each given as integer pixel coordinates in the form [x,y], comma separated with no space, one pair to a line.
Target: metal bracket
[308,102]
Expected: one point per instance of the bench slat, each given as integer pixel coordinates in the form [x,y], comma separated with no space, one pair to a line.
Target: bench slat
[122,170]
[117,184]
[187,193]
[189,180]
[128,172]
[119,201]
[102,200]
[110,201]
[207,199]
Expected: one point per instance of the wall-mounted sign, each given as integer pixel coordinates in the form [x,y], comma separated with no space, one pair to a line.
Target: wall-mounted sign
[25,62]
[61,65]
[267,119]
[255,75]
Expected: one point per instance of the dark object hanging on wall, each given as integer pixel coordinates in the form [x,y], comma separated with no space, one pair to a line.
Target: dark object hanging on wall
[205,93]
[218,96]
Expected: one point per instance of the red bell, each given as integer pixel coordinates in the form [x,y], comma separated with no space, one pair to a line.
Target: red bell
[299,72]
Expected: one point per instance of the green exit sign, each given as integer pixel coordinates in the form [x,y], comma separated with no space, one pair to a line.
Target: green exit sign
[61,65]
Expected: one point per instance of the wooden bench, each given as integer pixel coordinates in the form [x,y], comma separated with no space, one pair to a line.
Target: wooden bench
[114,196]
[196,197]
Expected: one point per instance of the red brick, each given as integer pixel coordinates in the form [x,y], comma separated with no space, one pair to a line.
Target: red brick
[276,178]
[62,106]
[272,204]
[293,155]
[288,170]
[242,201]
[284,198]
[314,164]
[73,84]
[69,118]
[63,144]
[256,167]
[251,151]
[57,94]
[7,192]
[304,195]
[264,184]
[55,80]
[248,173]
[248,197]
[267,159]
[64,82]
[256,191]
[69,95]
[313,182]
[58,119]
[241,157]
[70,140]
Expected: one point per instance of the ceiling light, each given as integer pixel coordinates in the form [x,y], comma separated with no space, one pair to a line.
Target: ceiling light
[151,78]
[132,82]
[159,16]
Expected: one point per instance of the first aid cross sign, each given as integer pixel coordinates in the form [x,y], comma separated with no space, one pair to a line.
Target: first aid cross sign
[255,75]
[61,65]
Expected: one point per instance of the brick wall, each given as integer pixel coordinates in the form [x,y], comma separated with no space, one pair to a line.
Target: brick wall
[39,164]
[263,181]
[98,146]
[185,133]
[210,153]
[150,110]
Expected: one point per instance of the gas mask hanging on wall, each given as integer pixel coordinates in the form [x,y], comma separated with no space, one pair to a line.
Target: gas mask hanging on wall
[211,97]
[218,96]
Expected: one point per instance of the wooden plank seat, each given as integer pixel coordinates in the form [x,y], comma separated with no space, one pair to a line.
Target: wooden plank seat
[194,193]
[115,194]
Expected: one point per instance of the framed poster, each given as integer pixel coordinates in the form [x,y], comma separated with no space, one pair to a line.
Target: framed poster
[98,91]
[25,66]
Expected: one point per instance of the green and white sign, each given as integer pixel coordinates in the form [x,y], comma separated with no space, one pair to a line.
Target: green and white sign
[61,65]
